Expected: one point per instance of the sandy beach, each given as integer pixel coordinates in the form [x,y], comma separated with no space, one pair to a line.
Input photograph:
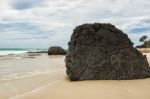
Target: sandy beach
[137,89]
[59,87]
[75,49]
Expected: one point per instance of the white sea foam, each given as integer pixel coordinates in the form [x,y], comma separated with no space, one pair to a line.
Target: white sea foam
[12,52]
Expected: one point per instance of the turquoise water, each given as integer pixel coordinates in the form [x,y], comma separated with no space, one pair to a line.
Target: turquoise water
[23,49]
[7,51]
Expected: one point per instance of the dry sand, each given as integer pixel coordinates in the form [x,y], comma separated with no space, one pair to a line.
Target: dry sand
[96,89]
[134,89]
[144,50]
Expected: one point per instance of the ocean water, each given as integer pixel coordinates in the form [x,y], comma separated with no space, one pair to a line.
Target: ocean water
[16,51]
[22,72]
[11,60]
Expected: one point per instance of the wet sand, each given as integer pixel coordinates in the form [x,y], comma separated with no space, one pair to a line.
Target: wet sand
[34,74]
[96,89]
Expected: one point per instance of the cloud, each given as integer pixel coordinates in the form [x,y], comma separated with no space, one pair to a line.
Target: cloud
[44,23]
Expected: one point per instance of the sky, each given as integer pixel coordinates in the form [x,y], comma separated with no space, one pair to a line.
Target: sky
[45,23]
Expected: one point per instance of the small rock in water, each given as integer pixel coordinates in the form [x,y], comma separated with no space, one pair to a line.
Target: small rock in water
[101,51]
[56,50]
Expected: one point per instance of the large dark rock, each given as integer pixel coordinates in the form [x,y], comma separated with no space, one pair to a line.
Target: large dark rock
[56,50]
[101,51]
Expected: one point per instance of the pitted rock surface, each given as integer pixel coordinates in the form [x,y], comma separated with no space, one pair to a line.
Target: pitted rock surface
[103,52]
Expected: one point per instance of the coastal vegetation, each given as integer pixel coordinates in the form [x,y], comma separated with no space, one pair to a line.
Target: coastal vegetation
[146,42]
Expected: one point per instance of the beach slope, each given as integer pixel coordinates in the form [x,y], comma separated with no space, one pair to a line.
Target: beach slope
[96,89]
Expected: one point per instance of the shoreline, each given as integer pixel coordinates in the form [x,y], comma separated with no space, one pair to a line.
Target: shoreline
[27,74]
